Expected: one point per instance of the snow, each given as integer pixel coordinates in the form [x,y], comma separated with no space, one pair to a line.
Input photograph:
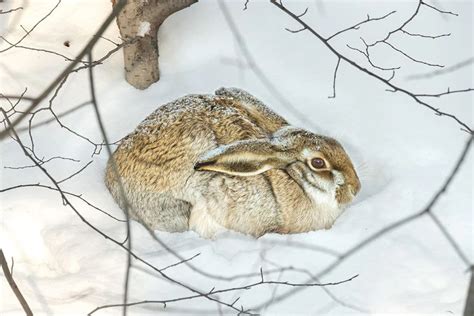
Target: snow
[143,28]
[402,152]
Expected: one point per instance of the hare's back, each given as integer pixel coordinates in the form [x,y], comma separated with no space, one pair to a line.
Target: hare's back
[167,144]
[196,120]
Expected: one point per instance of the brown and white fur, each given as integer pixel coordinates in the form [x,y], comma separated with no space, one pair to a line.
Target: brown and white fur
[226,161]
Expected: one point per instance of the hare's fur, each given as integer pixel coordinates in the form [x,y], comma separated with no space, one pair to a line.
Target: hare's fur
[157,163]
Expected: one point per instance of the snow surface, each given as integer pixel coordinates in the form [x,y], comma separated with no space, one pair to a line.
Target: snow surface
[143,28]
[402,151]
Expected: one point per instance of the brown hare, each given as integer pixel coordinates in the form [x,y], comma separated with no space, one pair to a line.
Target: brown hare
[226,161]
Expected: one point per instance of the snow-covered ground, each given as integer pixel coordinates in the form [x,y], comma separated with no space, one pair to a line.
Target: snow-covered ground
[402,151]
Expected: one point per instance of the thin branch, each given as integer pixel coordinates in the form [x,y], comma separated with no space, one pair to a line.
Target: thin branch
[18,97]
[372,74]
[13,286]
[12,266]
[116,9]
[295,31]
[325,289]
[75,173]
[369,60]
[446,70]
[30,127]
[11,10]
[107,55]
[411,58]
[60,115]
[439,10]
[469,308]
[304,13]
[425,36]
[254,66]
[180,262]
[334,79]
[356,26]
[437,95]
[42,162]
[98,231]
[109,40]
[213,291]
[391,76]
[449,238]
[31,30]
[78,196]
[41,50]
[117,175]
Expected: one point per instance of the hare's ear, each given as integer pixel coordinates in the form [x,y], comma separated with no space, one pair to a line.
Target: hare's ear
[243,158]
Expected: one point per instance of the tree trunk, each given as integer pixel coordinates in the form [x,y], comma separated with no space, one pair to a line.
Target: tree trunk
[141,19]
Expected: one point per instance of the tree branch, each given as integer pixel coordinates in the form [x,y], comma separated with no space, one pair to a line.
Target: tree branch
[11,10]
[69,68]
[32,29]
[469,308]
[213,291]
[439,10]
[356,26]
[372,74]
[12,283]
[334,79]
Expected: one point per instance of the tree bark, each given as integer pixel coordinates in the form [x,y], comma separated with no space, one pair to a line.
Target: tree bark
[141,19]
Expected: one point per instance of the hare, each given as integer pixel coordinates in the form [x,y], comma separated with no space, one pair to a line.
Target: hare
[226,161]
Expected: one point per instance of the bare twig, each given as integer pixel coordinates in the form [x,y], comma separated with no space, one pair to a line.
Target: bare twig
[70,67]
[56,117]
[75,173]
[443,71]
[78,196]
[122,190]
[295,31]
[67,202]
[11,10]
[42,162]
[449,238]
[258,71]
[437,95]
[232,289]
[334,79]
[370,73]
[180,262]
[37,49]
[469,308]
[439,10]
[31,30]
[324,288]
[12,283]
[411,58]
[7,96]
[369,60]
[356,26]
[425,36]
[60,115]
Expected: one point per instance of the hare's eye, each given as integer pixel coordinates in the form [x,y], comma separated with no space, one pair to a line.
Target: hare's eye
[318,163]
